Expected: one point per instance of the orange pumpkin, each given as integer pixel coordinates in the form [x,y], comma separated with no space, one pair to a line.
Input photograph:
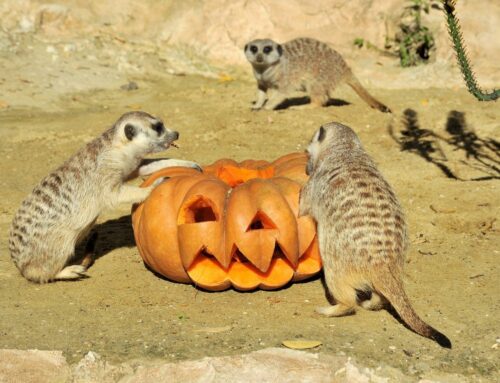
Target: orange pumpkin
[235,224]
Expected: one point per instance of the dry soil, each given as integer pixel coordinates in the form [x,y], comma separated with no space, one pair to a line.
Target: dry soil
[439,149]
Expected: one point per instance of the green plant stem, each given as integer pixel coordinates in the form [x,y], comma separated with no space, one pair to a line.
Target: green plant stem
[463,60]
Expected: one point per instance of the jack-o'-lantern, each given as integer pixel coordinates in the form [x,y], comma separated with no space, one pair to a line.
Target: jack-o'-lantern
[235,225]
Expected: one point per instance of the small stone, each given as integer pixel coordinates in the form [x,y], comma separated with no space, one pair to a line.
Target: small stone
[131,85]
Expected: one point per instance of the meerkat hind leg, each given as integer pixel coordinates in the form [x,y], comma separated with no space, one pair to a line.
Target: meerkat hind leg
[337,310]
[343,294]
[71,272]
[376,302]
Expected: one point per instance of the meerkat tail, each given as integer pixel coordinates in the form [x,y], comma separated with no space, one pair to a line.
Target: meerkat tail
[353,82]
[392,289]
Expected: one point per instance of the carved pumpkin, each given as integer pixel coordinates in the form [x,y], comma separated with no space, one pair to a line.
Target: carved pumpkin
[235,224]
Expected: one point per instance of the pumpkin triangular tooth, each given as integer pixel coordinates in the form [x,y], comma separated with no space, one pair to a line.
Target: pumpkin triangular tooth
[307,232]
[258,247]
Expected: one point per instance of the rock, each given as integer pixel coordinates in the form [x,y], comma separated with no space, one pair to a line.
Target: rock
[269,365]
[33,366]
[188,36]
[273,365]
[93,369]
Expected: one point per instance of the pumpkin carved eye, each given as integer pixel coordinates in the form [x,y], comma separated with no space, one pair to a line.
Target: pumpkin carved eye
[234,225]
[199,210]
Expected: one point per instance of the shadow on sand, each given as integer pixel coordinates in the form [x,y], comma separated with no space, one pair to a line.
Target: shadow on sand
[480,154]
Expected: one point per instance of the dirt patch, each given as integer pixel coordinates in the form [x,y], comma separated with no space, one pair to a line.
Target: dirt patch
[446,178]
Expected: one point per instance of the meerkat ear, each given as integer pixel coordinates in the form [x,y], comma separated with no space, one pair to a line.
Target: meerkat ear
[130,131]
[246,47]
[321,134]
[280,49]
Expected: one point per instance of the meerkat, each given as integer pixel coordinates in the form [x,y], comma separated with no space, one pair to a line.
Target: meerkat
[361,229]
[301,64]
[63,207]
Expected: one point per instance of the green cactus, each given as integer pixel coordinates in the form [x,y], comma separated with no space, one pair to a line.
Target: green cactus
[463,60]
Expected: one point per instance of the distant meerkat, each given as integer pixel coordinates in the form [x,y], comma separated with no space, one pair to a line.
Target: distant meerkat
[63,207]
[302,64]
[361,229]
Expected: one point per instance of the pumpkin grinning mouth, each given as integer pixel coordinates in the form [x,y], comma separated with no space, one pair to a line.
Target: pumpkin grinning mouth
[238,256]
[206,268]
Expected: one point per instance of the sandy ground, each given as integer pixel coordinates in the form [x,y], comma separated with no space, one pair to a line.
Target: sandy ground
[438,149]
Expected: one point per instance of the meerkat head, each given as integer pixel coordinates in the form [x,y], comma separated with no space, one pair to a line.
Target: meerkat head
[143,133]
[262,53]
[331,138]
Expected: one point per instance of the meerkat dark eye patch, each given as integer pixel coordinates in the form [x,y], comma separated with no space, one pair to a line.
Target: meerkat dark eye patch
[130,131]
[322,134]
[267,49]
[158,127]
[253,49]
[279,48]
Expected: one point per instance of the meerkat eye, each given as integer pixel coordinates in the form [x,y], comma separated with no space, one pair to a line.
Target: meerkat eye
[130,131]
[268,49]
[158,127]
[253,49]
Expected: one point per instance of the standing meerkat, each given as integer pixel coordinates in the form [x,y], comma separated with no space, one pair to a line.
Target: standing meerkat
[361,229]
[301,64]
[63,207]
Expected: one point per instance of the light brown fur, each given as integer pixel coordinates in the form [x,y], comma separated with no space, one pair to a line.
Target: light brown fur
[361,228]
[301,64]
[63,207]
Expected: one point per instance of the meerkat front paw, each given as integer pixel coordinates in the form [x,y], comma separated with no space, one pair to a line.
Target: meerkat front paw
[154,166]
[158,181]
